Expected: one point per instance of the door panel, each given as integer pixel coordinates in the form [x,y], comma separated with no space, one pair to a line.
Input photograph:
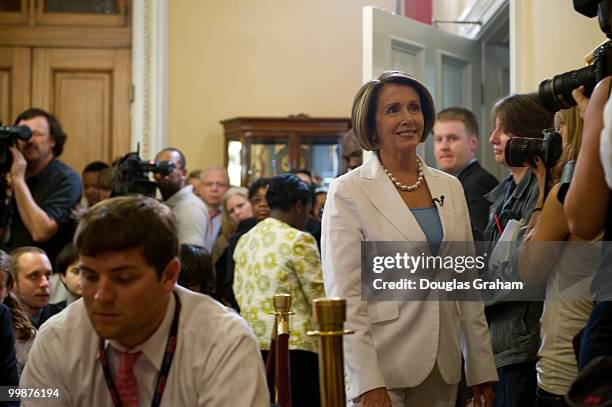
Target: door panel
[14,82]
[89,95]
[447,64]
[88,90]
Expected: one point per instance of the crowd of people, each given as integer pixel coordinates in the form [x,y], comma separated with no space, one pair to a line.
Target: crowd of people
[131,300]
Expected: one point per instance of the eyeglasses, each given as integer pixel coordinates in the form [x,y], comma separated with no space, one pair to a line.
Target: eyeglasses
[209,184]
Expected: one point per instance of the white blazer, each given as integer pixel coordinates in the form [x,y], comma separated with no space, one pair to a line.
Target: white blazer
[397,344]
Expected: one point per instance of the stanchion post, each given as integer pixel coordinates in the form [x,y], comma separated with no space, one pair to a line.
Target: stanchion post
[329,315]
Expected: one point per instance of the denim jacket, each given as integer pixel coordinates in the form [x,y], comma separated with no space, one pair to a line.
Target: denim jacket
[514,325]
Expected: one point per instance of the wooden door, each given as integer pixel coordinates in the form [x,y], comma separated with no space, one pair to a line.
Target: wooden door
[14,82]
[88,91]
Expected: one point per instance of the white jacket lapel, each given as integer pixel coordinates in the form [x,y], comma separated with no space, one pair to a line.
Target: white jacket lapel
[384,196]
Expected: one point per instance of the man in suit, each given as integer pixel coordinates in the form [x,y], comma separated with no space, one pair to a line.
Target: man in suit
[455,143]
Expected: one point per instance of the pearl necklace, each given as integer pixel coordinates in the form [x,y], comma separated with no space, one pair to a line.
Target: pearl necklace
[404,187]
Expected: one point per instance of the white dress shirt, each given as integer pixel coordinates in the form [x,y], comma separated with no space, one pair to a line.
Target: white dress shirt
[605,143]
[191,218]
[217,362]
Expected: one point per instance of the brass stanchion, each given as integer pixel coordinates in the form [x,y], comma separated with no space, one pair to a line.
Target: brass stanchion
[329,314]
[279,350]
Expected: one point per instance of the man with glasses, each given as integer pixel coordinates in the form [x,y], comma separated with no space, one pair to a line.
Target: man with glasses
[190,212]
[45,190]
[215,181]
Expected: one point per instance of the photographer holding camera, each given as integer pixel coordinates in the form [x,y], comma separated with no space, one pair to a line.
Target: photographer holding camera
[587,205]
[568,276]
[45,190]
[514,324]
[191,213]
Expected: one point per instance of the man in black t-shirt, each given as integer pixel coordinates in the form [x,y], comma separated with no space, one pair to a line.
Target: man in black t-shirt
[44,190]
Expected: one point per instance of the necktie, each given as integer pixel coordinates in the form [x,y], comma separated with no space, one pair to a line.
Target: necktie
[125,380]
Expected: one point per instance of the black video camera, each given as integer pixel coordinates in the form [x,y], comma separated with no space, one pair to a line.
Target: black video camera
[556,93]
[130,175]
[8,135]
[523,150]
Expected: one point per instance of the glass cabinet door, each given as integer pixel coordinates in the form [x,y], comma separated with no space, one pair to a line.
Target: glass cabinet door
[268,157]
[13,11]
[321,155]
[82,12]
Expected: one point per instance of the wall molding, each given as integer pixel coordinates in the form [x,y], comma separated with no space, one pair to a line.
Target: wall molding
[149,76]
[478,10]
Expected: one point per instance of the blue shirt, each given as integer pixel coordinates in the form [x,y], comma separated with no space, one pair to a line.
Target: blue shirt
[429,220]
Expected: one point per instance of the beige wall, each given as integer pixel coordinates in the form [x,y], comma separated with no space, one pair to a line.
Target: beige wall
[551,38]
[232,58]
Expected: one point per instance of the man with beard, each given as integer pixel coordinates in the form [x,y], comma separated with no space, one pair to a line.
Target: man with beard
[190,211]
[45,190]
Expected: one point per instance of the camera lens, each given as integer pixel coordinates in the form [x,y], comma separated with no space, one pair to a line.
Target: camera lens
[556,93]
[520,150]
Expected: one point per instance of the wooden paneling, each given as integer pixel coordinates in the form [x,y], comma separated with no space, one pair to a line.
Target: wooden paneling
[15,68]
[50,36]
[83,102]
[16,17]
[87,89]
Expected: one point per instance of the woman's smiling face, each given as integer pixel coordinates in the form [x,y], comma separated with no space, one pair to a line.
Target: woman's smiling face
[399,118]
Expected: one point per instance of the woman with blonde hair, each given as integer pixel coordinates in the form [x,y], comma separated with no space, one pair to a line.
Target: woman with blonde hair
[237,215]
[568,302]
[24,330]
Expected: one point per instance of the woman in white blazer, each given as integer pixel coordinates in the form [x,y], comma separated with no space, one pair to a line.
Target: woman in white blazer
[403,353]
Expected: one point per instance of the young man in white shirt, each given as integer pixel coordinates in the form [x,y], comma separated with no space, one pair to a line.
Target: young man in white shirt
[136,336]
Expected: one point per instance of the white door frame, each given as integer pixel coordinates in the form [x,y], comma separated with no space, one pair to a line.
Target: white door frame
[149,76]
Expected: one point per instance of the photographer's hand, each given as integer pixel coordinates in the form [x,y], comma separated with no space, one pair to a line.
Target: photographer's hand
[18,168]
[540,172]
[581,100]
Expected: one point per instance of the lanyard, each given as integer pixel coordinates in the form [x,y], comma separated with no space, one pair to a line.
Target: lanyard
[160,384]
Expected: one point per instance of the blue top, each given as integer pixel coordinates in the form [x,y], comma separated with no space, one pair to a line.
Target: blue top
[429,220]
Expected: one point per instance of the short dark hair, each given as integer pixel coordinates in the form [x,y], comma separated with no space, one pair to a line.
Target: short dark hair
[55,128]
[182,160]
[465,116]
[96,166]
[296,171]
[105,179]
[523,115]
[256,185]
[286,190]
[129,222]
[196,268]
[65,258]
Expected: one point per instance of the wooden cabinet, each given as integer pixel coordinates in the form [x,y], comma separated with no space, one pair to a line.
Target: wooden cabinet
[105,13]
[72,58]
[264,146]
